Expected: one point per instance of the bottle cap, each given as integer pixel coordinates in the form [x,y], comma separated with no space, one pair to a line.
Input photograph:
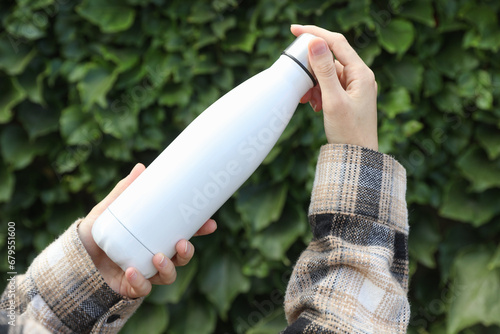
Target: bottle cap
[298,51]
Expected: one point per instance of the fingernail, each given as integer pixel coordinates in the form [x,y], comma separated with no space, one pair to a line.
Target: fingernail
[319,48]
[162,263]
[133,276]
[296,25]
[187,248]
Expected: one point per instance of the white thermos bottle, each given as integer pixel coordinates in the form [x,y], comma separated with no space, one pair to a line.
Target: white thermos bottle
[191,179]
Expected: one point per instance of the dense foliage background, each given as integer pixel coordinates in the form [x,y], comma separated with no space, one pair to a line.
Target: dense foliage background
[88,88]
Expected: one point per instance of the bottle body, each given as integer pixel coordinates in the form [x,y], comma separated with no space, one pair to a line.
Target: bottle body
[193,177]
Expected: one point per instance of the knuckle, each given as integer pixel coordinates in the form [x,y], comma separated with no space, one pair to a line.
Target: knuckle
[340,38]
[325,68]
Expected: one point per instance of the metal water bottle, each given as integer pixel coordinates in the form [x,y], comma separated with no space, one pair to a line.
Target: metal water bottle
[193,177]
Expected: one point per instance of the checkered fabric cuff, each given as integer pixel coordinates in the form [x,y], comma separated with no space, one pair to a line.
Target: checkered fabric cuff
[353,276]
[65,292]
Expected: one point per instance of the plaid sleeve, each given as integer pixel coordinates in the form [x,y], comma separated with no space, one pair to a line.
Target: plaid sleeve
[64,291]
[353,276]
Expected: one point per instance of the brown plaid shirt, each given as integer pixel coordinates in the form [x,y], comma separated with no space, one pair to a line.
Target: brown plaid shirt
[352,278]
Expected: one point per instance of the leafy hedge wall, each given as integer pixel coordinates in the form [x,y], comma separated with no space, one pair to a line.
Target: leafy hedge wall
[88,88]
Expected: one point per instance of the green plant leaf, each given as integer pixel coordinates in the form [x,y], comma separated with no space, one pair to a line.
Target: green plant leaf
[397,36]
[274,241]
[407,73]
[16,148]
[271,324]
[38,121]
[11,95]
[7,180]
[420,11]
[424,241]
[476,167]
[195,317]
[95,84]
[111,17]
[476,290]
[162,294]
[469,208]
[395,102]
[15,54]
[148,318]
[261,205]
[78,127]
[489,139]
[221,280]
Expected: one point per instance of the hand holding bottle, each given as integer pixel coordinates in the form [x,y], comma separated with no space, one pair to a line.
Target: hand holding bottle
[347,90]
[132,283]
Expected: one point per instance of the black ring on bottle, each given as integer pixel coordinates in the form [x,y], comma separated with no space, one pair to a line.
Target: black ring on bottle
[302,66]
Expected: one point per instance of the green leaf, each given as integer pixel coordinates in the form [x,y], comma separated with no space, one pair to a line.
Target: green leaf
[453,60]
[424,241]
[476,290]
[195,317]
[162,294]
[123,58]
[397,36]
[261,205]
[16,148]
[407,73]
[151,319]
[7,180]
[221,27]
[11,95]
[469,208]
[272,323]
[95,84]
[15,55]
[489,139]
[119,124]
[78,127]
[495,260]
[412,127]
[111,16]
[395,102]
[33,88]
[221,280]
[38,121]
[274,241]
[419,11]
[476,167]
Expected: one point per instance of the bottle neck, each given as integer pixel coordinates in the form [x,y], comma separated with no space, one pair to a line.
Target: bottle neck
[293,73]
[285,53]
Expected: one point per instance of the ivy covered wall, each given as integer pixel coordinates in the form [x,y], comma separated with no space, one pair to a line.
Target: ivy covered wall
[88,88]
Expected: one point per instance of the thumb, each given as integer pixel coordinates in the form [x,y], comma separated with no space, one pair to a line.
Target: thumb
[323,66]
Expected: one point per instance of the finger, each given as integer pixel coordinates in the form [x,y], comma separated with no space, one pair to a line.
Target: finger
[209,227]
[117,190]
[185,252]
[138,286]
[166,270]
[337,43]
[307,96]
[124,183]
[322,64]
[316,102]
